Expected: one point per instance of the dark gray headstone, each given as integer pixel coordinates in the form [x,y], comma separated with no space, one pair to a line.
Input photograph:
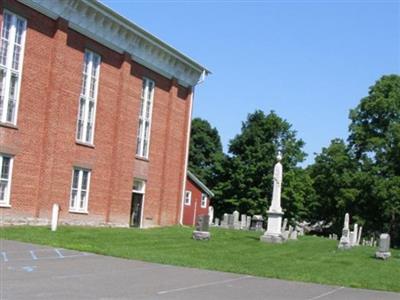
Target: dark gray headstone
[202,223]
[384,246]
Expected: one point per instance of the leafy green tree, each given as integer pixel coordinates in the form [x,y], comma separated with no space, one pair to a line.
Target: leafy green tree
[334,180]
[205,154]
[375,140]
[247,182]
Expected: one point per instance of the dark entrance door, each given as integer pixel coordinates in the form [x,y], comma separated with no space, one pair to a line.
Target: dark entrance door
[136,209]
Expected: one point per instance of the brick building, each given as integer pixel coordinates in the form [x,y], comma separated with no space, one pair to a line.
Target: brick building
[197,199]
[94,115]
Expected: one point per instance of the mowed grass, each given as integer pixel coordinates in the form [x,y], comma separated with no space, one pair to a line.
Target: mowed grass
[310,259]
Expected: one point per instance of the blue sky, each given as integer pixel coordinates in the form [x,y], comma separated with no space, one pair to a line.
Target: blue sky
[310,61]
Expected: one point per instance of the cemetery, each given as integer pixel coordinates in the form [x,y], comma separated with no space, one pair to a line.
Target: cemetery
[243,244]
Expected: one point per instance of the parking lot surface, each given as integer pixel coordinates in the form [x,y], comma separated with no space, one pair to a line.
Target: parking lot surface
[30,271]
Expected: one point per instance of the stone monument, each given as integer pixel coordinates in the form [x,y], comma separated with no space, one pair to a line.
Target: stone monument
[236,223]
[345,239]
[224,221]
[248,222]
[202,226]
[384,247]
[211,214]
[359,235]
[243,221]
[274,229]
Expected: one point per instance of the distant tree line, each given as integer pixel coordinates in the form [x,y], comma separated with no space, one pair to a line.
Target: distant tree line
[360,175]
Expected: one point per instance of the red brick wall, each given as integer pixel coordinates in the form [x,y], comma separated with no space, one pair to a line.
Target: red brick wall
[194,209]
[44,146]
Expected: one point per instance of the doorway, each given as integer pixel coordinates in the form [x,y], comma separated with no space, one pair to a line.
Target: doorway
[136,209]
[137,203]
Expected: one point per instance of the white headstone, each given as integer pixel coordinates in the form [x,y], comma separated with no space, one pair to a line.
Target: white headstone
[359,236]
[355,233]
[346,221]
[224,222]
[345,240]
[211,214]
[243,221]
[236,224]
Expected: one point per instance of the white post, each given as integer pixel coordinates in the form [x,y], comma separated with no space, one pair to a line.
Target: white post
[54,217]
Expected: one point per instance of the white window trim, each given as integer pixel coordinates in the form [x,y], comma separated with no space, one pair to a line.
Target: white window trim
[143,192]
[139,152]
[7,202]
[87,99]
[76,209]
[203,196]
[188,195]
[8,66]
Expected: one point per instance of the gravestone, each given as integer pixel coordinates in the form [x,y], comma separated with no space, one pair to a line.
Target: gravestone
[202,227]
[293,235]
[344,242]
[248,222]
[224,222]
[230,221]
[353,241]
[384,247]
[351,238]
[236,223]
[257,223]
[243,221]
[359,235]
[216,222]
[211,214]
[284,224]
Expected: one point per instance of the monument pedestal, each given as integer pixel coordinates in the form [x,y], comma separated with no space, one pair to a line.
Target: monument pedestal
[273,233]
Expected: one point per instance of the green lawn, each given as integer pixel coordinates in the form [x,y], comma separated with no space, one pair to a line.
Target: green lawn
[309,259]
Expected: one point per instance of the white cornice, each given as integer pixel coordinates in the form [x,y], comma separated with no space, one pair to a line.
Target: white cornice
[97,21]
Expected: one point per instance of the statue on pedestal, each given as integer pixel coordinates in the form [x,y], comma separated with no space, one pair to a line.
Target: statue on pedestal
[274,229]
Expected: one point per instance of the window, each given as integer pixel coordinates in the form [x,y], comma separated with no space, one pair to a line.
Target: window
[188,198]
[146,107]
[139,186]
[80,190]
[12,43]
[6,163]
[203,200]
[88,97]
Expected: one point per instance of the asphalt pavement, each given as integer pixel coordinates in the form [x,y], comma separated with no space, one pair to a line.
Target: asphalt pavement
[30,271]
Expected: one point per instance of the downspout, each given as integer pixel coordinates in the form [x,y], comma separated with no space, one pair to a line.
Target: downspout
[202,78]
[189,127]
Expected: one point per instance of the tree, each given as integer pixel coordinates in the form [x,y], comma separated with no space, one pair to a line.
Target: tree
[375,140]
[334,177]
[247,184]
[205,154]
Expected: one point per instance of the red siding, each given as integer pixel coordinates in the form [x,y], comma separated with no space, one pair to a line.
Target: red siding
[44,146]
[195,209]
